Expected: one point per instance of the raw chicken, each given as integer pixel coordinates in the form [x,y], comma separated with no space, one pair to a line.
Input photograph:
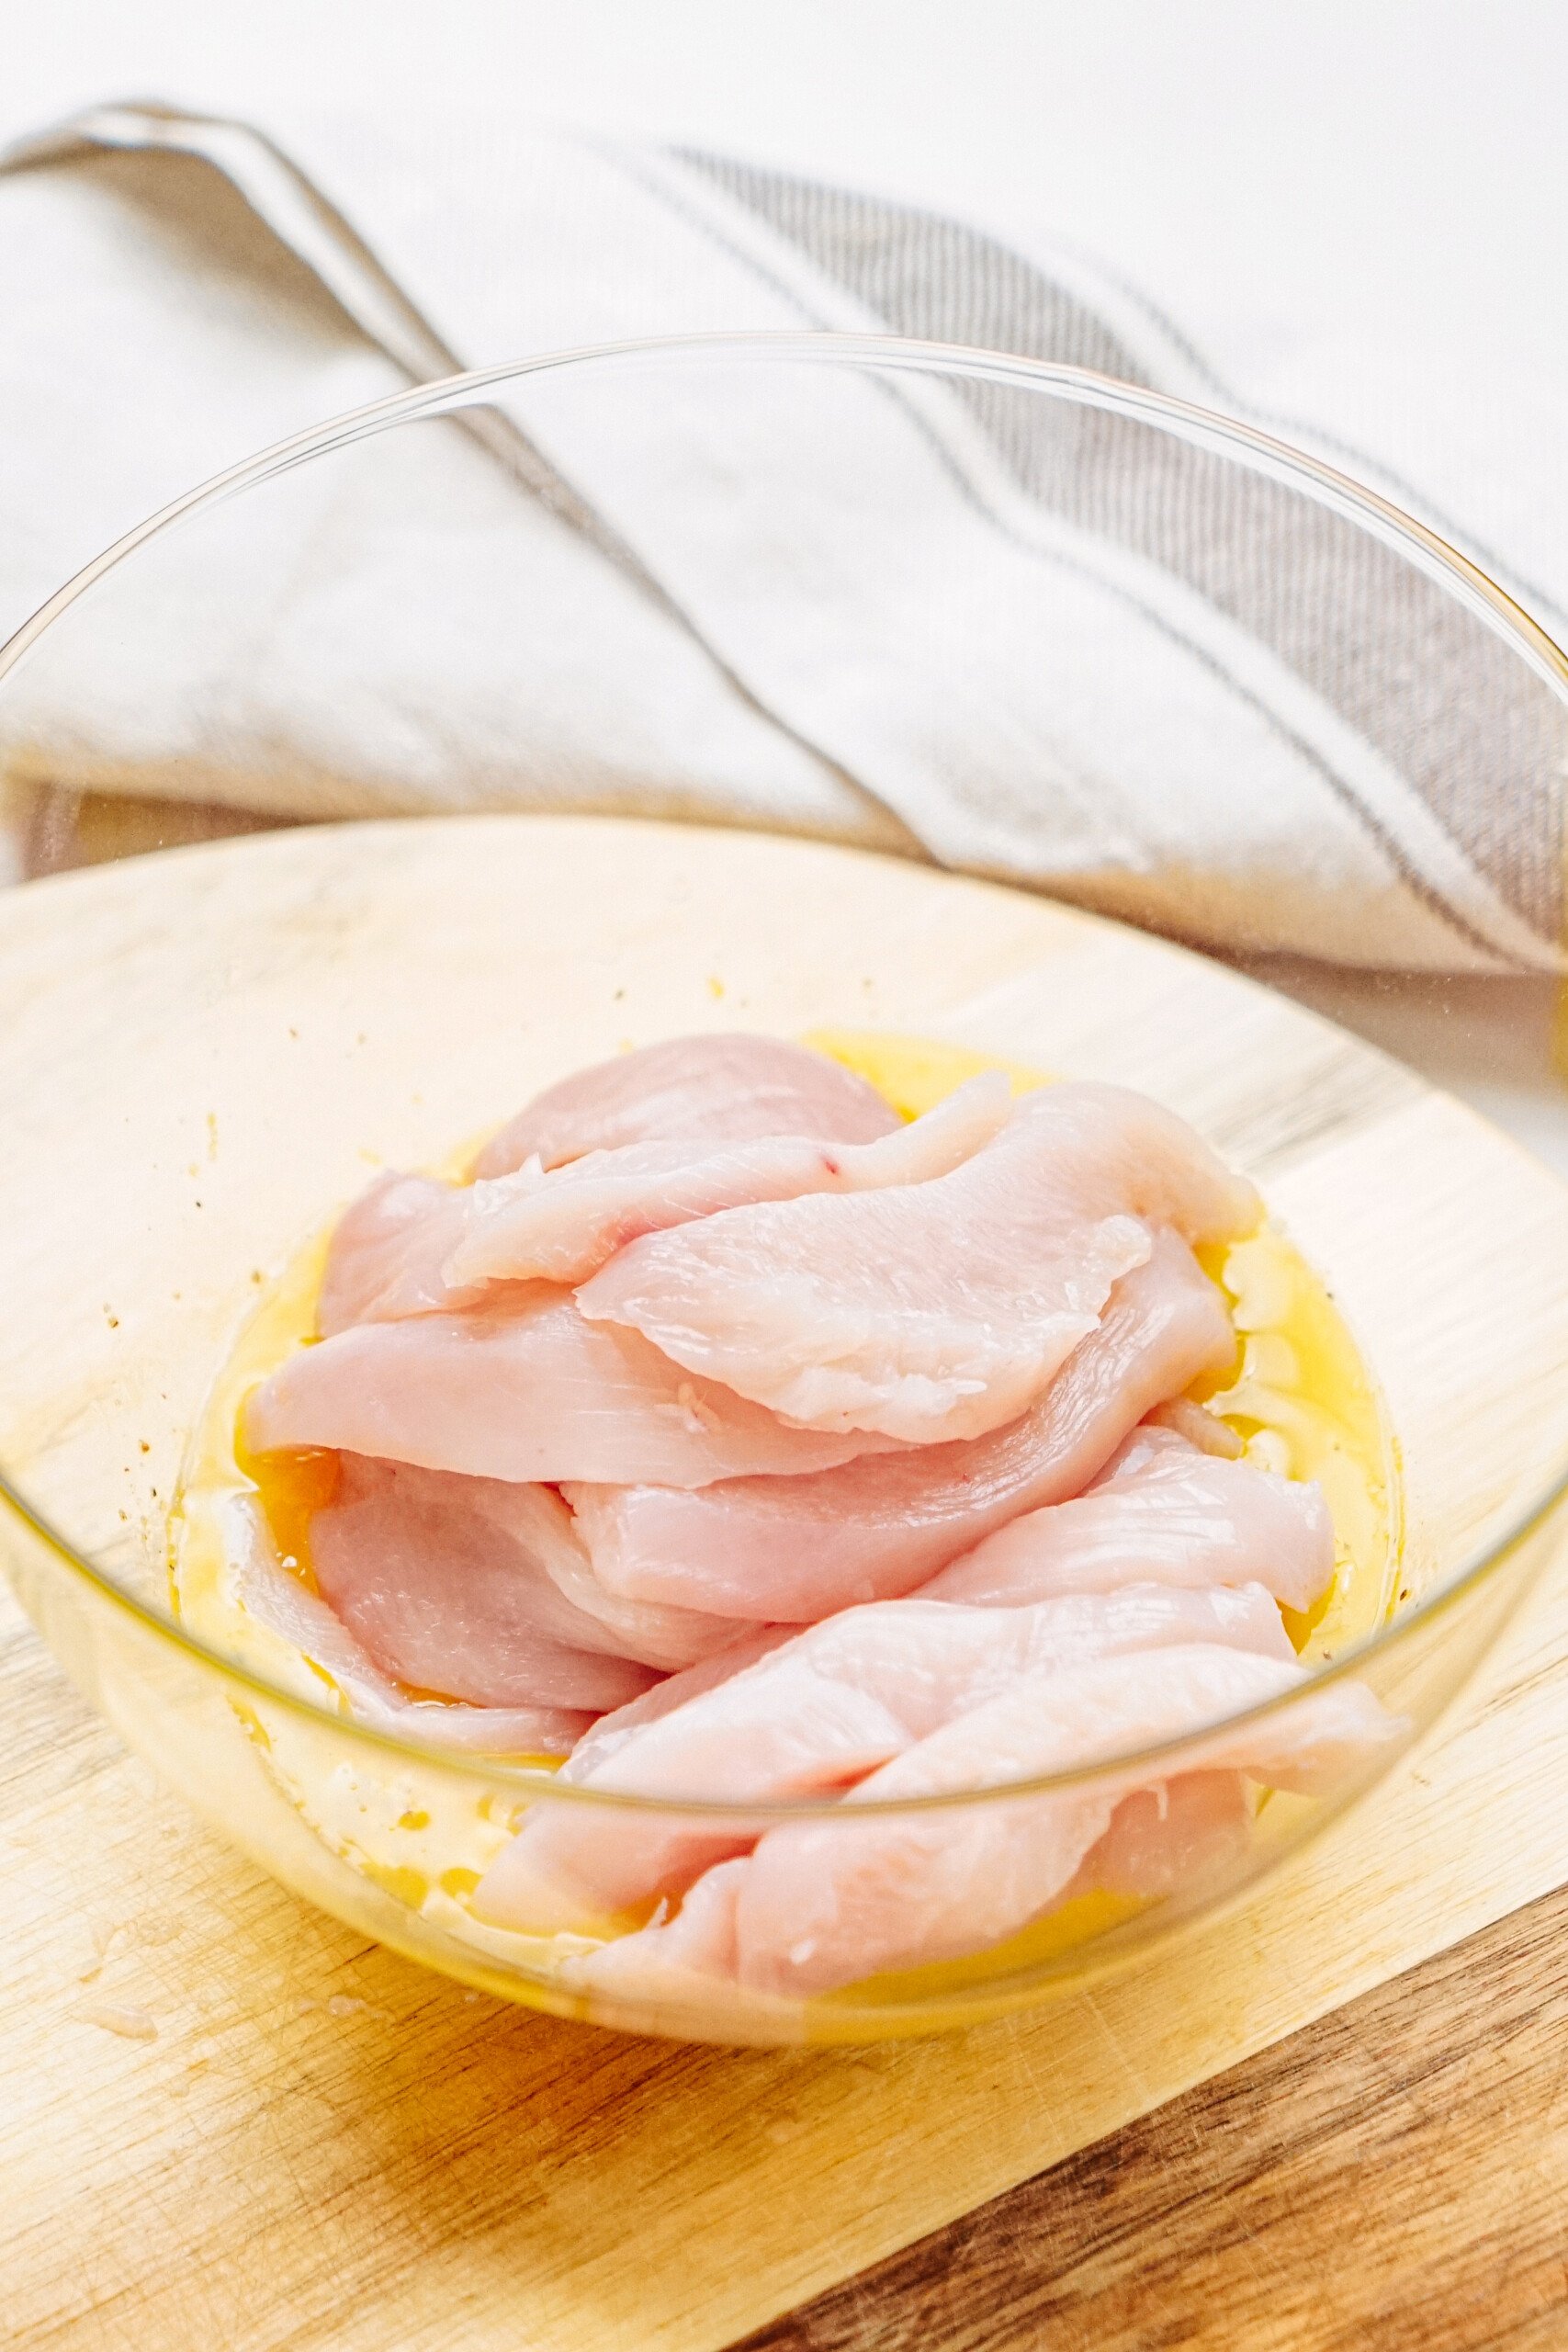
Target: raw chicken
[652,1632]
[932,1311]
[527,1391]
[288,1608]
[563,1224]
[676,1959]
[412,1244]
[713,1090]
[1163,1512]
[534,1518]
[1159,1840]
[826,1903]
[918,1389]
[1169,1838]
[611,1732]
[817,1713]
[447,1590]
[388,1253]
[796,1549]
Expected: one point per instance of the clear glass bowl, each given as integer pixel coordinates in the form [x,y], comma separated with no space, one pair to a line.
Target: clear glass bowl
[202,1056]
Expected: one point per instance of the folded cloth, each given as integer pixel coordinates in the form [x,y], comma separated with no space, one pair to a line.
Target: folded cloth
[896,611]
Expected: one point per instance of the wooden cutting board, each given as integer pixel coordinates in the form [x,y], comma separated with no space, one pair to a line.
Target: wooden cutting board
[225,2120]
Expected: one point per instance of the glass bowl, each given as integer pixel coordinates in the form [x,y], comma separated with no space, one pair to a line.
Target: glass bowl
[204,1054]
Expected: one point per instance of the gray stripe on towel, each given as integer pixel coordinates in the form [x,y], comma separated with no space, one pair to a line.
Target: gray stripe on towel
[1442,699]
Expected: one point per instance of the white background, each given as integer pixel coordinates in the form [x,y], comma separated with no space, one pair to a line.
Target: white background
[1138,126]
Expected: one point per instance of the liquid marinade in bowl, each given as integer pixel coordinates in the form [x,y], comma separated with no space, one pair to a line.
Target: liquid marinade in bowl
[1151,1605]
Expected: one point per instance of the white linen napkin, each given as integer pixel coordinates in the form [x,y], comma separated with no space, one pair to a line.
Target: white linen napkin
[889,615]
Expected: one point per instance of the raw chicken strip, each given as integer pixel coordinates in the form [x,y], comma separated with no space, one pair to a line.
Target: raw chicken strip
[670,1958]
[652,1632]
[929,1311]
[1159,1841]
[593,1618]
[826,1903]
[1170,1838]
[1163,1512]
[563,1225]
[830,1705]
[443,1583]
[388,1252]
[796,1549]
[713,1090]
[613,1731]
[526,1391]
[281,1602]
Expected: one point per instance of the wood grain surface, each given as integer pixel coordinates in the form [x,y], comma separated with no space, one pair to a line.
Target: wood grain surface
[1396,2178]
[226,2119]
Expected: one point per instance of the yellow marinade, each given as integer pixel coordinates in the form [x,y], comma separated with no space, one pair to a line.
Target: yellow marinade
[1302,1399]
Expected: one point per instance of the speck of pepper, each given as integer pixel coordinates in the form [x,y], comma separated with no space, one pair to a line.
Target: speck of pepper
[111,1320]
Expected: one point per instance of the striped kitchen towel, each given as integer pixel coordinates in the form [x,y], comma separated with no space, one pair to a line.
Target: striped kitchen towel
[946,616]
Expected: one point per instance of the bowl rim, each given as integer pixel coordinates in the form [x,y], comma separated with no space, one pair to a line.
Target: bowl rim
[1234,438]
[1261,451]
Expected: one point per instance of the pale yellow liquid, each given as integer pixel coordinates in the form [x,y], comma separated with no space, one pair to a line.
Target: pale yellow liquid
[1302,1399]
